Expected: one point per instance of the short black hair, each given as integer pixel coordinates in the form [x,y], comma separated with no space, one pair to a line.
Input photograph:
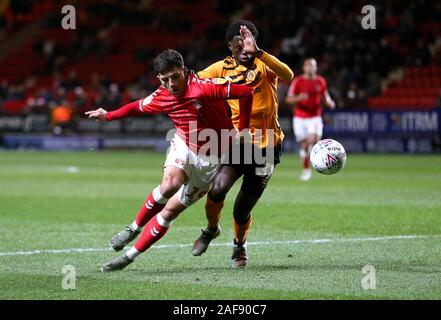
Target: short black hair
[167,60]
[234,29]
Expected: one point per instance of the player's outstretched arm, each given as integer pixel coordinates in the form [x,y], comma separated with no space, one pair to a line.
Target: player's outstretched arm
[128,110]
[220,89]
[279,68]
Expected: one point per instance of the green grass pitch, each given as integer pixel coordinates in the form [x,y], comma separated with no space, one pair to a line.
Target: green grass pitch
[308,241]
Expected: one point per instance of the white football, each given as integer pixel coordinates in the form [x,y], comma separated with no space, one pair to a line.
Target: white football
[328,156]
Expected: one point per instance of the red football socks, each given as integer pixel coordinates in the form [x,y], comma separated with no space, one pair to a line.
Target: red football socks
[304,157]
[155,229]
[154,203]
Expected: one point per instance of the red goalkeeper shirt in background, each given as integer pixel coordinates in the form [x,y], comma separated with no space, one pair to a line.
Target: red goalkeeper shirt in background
[315,89]
[203,103]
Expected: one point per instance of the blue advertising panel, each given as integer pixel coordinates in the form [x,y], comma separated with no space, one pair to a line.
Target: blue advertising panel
[389,132]
[396,123]
[408,131]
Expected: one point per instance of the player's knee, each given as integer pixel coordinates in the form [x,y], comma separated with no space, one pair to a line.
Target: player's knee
[170,185]
[218,190]
[304,144]
[312,139]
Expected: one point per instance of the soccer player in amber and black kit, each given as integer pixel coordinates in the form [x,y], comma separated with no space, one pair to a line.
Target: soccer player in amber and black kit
[260,71]
[193,105]
[305,93]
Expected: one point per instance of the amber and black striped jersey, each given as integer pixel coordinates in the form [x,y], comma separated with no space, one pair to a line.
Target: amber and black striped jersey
[262,76]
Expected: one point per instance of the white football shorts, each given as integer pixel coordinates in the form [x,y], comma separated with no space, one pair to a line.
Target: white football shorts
[304,127]
[200,170]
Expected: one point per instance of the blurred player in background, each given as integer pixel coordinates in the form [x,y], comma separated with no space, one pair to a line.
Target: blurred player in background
[193,105]
[305,94]
[260,71]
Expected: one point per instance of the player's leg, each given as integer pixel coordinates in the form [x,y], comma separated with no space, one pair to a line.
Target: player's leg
[172,180]
[304,159]
[158,227]
[154,230]
[314,129]
[200,177]
[174,176]
[301,133]
[309,142]
[251,190]
[222,183]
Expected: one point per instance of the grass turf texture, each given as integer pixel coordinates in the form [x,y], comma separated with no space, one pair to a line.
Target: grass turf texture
[46,203]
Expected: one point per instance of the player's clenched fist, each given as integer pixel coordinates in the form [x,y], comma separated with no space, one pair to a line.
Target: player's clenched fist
[99,114]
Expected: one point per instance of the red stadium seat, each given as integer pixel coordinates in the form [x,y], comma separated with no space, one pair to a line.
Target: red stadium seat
[14,107]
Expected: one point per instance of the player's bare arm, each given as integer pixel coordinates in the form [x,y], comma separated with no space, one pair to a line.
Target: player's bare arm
[328,100]
[296,98]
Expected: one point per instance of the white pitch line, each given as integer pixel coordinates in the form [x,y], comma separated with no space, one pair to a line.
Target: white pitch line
[224,244]
[53,251]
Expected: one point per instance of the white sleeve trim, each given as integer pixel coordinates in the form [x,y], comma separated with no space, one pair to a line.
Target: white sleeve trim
[140,106]
[228,93]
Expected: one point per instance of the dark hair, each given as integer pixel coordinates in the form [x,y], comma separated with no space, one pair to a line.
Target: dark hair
[167,60]
[234,29]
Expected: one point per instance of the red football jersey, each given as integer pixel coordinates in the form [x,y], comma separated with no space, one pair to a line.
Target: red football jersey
[201,106]
[315,89]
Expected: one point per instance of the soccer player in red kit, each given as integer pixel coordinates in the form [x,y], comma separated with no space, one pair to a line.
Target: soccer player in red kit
[305,93]
[193,105]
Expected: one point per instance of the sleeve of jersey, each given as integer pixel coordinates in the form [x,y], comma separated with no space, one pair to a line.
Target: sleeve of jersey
[233,91]
[279,68]
[133,109]
[128,110]
[210,72]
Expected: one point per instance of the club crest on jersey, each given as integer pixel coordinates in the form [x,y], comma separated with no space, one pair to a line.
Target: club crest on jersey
[250,75]
[197,104]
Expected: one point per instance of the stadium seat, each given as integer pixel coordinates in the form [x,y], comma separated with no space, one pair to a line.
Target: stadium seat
[14,107]
[419,88]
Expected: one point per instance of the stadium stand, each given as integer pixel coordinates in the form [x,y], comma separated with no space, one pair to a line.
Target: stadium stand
[107,60]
